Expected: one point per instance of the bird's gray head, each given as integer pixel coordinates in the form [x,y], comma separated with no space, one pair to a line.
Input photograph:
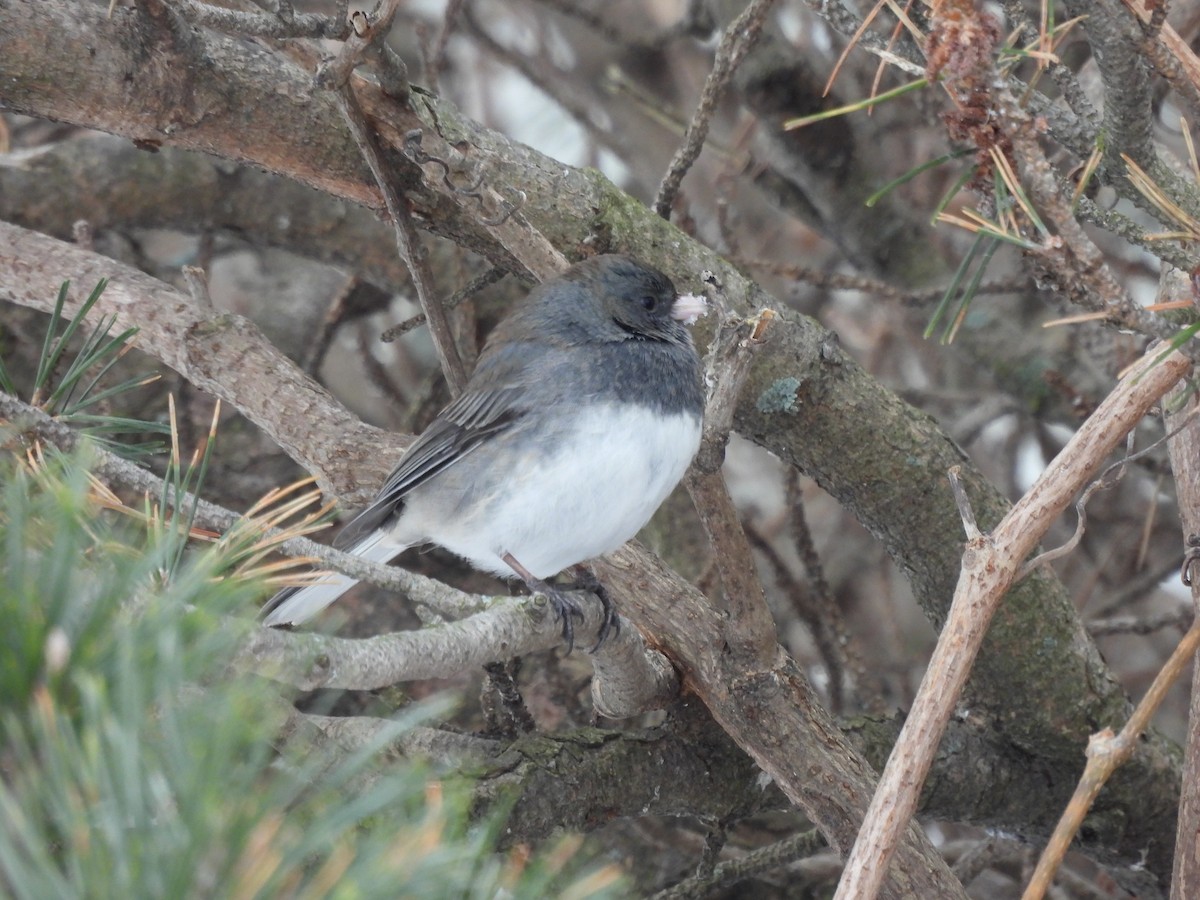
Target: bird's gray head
[610,298]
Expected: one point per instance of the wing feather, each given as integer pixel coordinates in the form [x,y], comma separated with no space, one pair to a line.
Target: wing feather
[458,429]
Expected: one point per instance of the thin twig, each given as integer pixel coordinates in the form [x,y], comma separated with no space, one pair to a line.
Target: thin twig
[736,43]
[983,856]
[826,603]
[408,242]
[726,369]
[1070,253]
[839,17]
[1170,54]
[318,346]
[1107,479]
[363,31]
[1184,453]
[379,374]
[196,281]
[1105,754]
[989,569]
[761,860]
[812,610]
[113,468]
[437,56]
[593,20]
[752,630]
[547,78]
[1172,618]
[965,511]
[841,281]
[1135,589]
[474,286]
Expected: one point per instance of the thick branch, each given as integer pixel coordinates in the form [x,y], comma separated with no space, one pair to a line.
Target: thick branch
[834,782]
[1115,35]
[1183,445]
[512,627]
[223,354]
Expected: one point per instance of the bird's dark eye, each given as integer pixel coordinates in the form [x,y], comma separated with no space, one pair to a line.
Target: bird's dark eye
[648,302]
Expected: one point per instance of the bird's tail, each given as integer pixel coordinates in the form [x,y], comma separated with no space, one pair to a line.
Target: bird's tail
[294,605]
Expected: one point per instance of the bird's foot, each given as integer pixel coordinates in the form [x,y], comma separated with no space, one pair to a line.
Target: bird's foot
[566,608]
[586,580]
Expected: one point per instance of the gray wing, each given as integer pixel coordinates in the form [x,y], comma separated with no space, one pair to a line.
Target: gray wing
[458,429]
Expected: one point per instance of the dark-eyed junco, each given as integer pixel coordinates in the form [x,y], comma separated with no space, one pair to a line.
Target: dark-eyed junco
[582,415]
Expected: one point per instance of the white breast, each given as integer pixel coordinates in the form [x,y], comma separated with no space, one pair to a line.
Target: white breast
[588,494]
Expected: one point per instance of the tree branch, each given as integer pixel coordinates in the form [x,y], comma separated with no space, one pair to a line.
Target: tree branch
[990,565]
[221,353]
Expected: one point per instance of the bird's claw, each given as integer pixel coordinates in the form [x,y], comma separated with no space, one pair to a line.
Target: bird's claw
[567,608]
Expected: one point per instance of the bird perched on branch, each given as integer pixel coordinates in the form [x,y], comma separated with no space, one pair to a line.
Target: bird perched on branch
[582,415]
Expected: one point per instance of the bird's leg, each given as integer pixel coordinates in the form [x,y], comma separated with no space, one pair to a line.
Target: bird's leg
[586,580]
[564,606]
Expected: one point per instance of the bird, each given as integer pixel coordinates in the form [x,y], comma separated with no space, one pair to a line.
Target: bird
[583,413]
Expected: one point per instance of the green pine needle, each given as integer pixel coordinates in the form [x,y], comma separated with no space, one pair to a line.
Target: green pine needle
[913,173]
[69,386]
[138,763]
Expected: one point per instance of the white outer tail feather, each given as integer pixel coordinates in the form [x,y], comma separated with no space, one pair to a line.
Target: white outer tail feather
[308,601]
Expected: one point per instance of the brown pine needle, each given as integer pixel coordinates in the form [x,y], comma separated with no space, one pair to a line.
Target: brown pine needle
[1089,169]
[1169,236]
[1172,304]
[1147,187]
[274,495]
[1076,319]
[175,455]
[1013,183]
[850,45]
[902,16]
[1045,38]
[882,67]
[1186,131]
